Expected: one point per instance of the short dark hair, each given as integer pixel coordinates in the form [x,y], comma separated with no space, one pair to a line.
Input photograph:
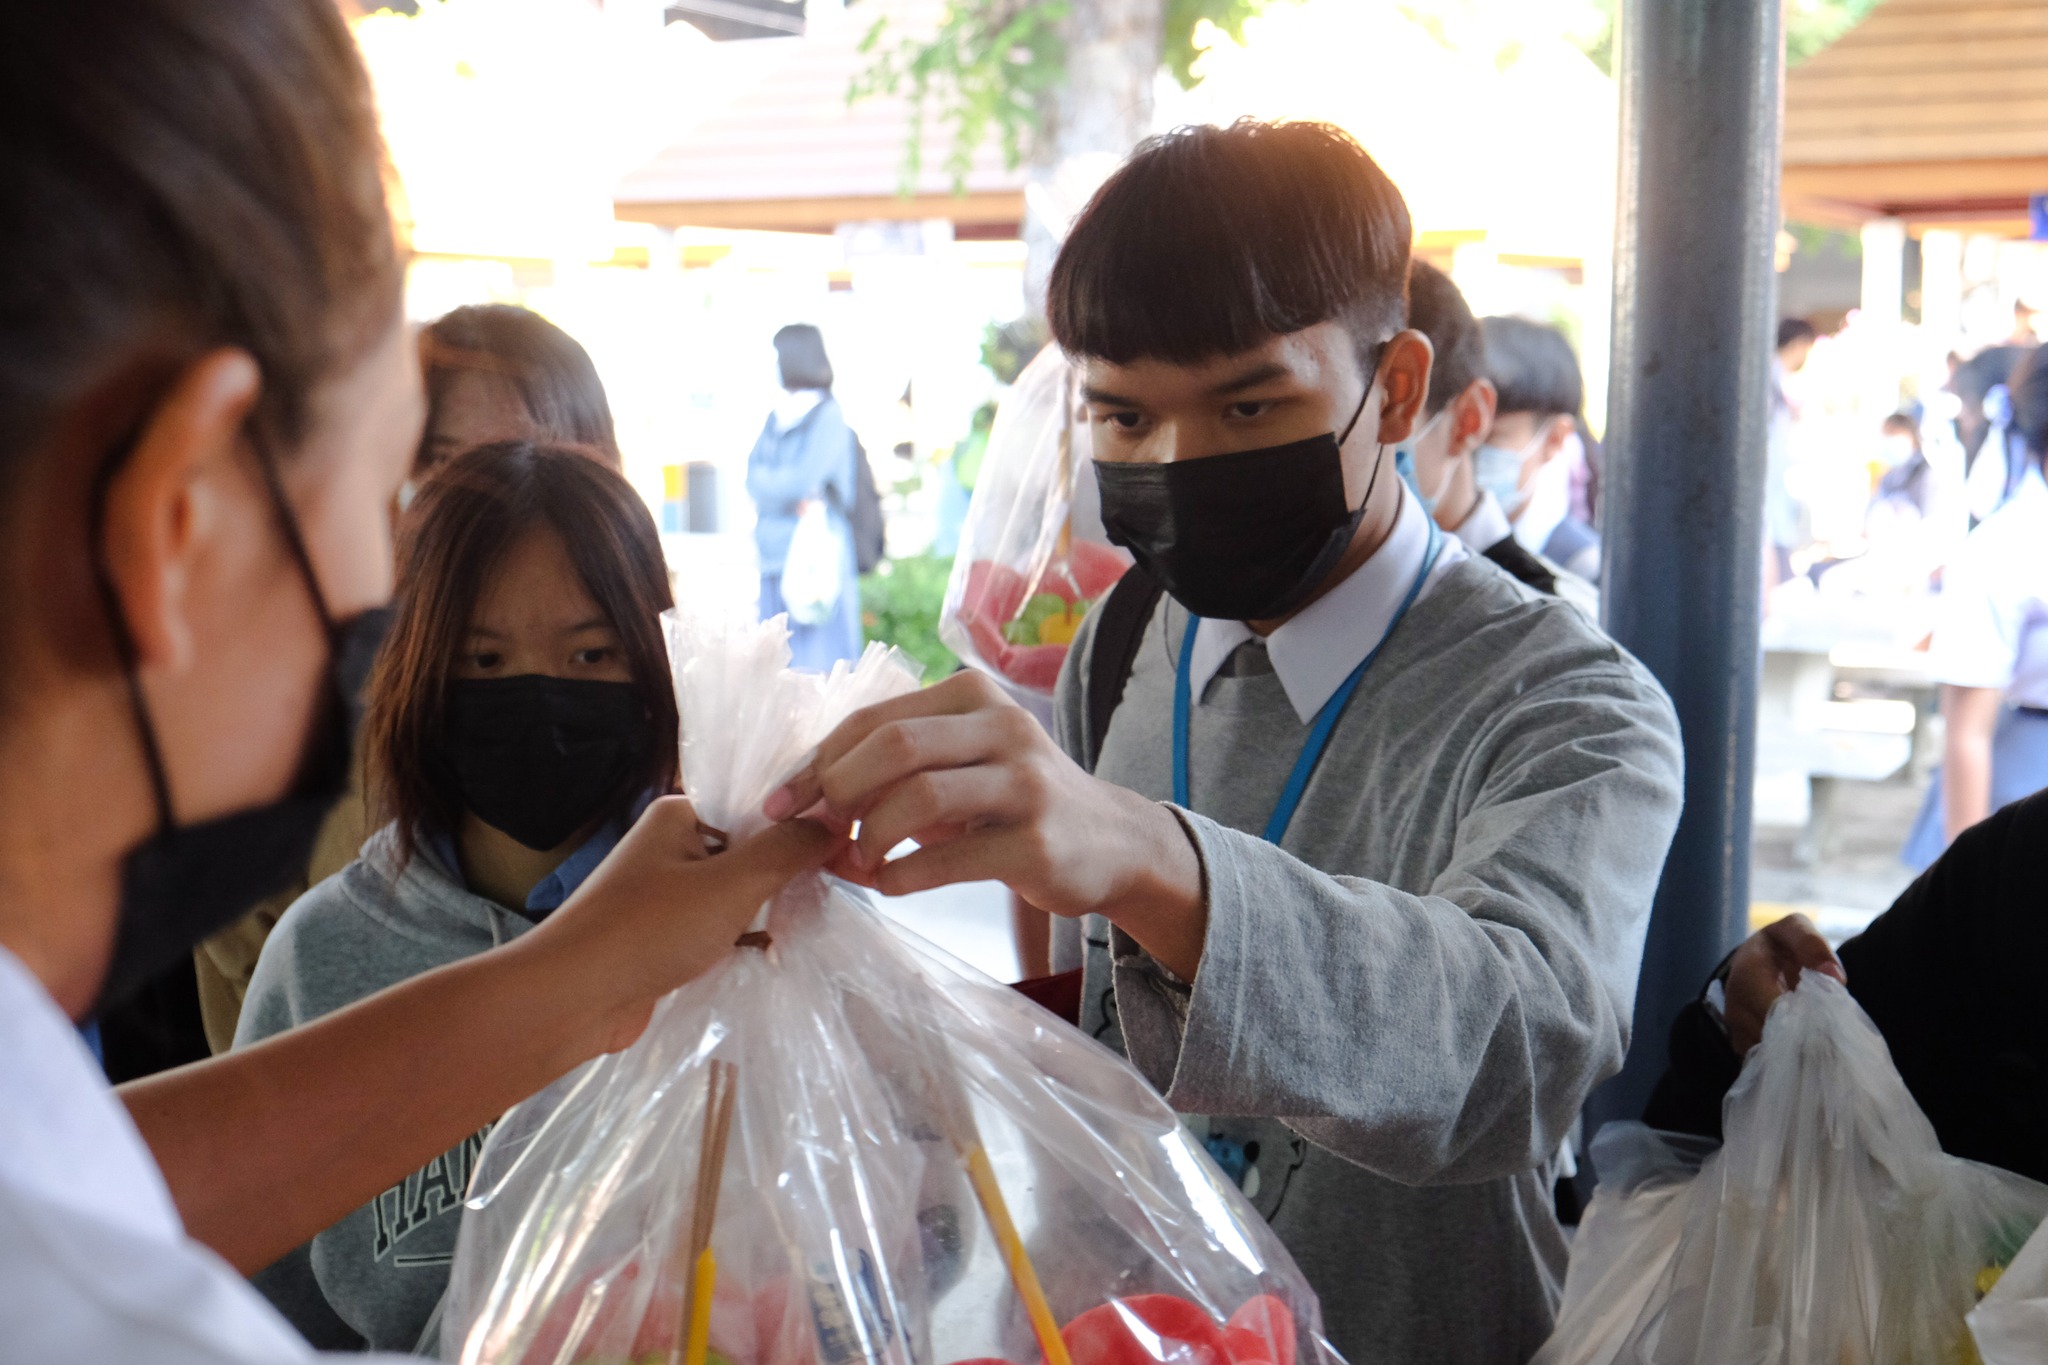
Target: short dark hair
[1208,241]
[800,354]
[183,175]
[1438,310]
[543,364]
[470,511]
[2028,385]
[1533,367]
[1795,329]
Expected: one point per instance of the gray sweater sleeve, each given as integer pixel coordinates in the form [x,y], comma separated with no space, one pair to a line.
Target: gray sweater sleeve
[1443,1038]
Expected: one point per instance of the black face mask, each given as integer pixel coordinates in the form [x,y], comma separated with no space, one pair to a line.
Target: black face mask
[187,881]
[1239,537]
[540,758]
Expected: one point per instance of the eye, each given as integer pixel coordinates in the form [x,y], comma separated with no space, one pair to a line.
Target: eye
[1249,408]
[596,654]
[1123,421]
[484,660]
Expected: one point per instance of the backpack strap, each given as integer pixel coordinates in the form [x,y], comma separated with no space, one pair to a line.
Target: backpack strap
[1119,632]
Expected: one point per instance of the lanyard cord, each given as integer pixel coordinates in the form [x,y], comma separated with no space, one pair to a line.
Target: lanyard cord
[1326,719]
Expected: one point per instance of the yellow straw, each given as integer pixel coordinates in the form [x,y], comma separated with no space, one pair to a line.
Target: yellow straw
[699,1343]
[983,1177]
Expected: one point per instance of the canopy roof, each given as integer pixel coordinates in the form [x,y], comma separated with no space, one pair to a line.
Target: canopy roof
[1934,111]
[791,154]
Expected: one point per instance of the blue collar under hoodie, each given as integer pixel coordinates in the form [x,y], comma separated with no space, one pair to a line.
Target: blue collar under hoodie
[374,1278]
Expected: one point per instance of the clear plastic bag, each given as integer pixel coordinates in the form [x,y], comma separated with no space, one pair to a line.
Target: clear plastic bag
[1032,559]
[916,1166]
[1829,1228]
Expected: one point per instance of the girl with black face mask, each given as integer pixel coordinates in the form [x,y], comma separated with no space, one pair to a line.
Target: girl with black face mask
[520,716]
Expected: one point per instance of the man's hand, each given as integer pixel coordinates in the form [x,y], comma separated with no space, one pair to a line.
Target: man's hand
[1766,966]
[969,775]
[661,910]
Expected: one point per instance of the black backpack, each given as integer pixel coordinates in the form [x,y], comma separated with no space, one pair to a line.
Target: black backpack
[1119,631]
[864,519]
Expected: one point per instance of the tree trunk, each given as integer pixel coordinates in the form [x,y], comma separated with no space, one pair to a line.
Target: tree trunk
[1091,120]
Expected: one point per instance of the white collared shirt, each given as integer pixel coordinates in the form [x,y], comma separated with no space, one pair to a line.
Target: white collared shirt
[1485,526]
[1317,649]
[95,1265]
[1991,620]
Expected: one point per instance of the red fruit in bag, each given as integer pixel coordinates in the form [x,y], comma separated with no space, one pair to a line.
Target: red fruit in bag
[1146,1329]
[1260,1333]
[1096,568]
[994,593]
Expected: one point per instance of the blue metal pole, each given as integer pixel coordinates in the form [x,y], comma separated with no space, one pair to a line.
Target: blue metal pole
[1689,406]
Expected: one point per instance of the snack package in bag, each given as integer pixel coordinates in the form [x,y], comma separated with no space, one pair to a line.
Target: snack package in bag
[2010,1325]
[1829,1228]
[839,1147]
[1031,562]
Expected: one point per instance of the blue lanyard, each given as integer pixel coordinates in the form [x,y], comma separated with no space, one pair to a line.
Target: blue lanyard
[1326,719]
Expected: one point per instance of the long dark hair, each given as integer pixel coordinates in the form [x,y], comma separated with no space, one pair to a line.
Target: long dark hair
[470,511]
[183,175]
[546,367]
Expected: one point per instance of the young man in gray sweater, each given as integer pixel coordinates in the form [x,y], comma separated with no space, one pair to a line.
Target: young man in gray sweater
[1363,868]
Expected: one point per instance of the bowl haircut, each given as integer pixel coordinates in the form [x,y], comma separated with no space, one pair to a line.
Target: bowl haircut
[1210,241]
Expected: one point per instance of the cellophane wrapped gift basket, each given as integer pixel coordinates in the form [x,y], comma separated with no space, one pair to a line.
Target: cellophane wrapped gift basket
[840,1147]
[1030,563]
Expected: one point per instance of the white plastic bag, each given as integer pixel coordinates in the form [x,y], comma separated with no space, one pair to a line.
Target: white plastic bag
[919,1167]
[814,574]
[1032,559]
[1830,1228]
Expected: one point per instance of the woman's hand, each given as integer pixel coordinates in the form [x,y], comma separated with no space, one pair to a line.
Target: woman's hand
[1766,966]
[667,904]
[264,1146]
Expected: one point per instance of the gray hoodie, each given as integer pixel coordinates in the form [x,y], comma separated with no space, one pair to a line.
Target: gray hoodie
[374,1279]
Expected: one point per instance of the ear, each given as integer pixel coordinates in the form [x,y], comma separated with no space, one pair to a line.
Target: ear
[1472,416]
[1559,430]
[1404,383]
[159,507]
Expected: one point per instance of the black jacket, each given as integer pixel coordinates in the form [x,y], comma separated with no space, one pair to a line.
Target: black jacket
[1955,975]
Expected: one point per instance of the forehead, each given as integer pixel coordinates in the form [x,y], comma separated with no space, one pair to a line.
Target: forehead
[1322,356]
[534,585]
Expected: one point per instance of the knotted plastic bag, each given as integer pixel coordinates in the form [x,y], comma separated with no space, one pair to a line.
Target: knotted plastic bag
[1032,559]
[1829,1229]
[840,1147]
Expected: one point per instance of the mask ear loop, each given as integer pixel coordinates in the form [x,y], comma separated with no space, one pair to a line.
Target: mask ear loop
[117,622]
[1381,457]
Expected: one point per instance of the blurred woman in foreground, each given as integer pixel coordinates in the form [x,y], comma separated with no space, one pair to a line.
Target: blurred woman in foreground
[207,405]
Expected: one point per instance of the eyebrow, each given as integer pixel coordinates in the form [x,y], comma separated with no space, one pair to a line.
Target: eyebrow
[593,623]
[1264,373]
[1091,394]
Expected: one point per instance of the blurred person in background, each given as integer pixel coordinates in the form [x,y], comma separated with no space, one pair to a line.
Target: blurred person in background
[492,372]
[1457,413]
[806,455]
[1529,454]
[1784,517]
[1990,644]
[498,372]
[521,715]
[1994,465]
